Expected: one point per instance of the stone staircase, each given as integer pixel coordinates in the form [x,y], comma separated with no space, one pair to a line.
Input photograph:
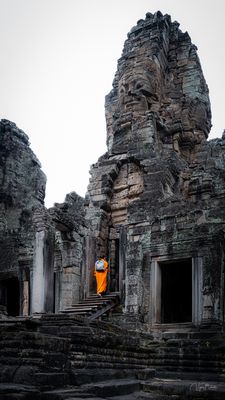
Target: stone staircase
[96,346]
[29,357]
[199,355]
[94,306]
[66,355]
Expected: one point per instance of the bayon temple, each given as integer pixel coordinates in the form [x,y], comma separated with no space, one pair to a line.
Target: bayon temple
[154,206]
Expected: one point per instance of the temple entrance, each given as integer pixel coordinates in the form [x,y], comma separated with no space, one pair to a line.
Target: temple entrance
[114,281]
[176,291]
[117,261]
[10,296]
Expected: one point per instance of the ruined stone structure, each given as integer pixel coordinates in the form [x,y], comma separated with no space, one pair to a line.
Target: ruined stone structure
[154,204]
[156,198]
[155,208]
[41,250]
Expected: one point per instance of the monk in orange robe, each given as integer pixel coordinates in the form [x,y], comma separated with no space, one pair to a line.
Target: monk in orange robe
[101,277]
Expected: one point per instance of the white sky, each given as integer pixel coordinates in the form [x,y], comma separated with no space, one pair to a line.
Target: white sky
[58,60]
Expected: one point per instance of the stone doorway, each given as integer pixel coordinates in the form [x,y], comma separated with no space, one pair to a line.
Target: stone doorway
[114,265]
[176,291]
[117,262]
[10,296]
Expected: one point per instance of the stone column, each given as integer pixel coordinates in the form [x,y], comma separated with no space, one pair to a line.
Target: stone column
[38,284]
[25,299]
[42,277]
[156,283]
[196,290]
[90,258]
[122,262]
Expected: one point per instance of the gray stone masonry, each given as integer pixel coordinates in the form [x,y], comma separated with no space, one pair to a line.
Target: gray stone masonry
[156,198]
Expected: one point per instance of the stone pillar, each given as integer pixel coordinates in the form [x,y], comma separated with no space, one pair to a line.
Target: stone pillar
[25,299]
[196,290]
[37,285]
[87,281]
[122,262]
[69,279]
[42,280]
[57,290]
[156,283]
[49,292]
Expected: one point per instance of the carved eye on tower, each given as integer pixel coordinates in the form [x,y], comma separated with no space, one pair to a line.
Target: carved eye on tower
[139,86]
[122,90]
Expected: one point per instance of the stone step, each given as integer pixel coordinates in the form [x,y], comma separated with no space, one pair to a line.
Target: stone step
[38,342]
[85,306]
[172,359]
[78,310]
[97,301]
[65,394]
[176,335]
[215,358]
[93,391]
[145,396]
[106,365]
[200,342]
[187,351]
[61,319]
[94,305]
[191,375]
[13,352]
[188,364]
[9,360]
[109,352]
[185,369]
[107,295]
[187,347]
[52,379]
[187,388]
[187,361]
[64,332]
[90,375]
[113,388]
[107,380]
[104,357]
[10,391]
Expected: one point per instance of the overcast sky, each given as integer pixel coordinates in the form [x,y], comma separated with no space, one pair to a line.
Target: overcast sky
[58,60]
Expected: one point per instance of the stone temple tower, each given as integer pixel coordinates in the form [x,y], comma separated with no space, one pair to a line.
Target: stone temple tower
[156,199]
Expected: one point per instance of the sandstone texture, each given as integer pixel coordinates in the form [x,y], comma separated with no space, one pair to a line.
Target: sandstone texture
[41,250]
[22,191]
[155,208]
[156,197]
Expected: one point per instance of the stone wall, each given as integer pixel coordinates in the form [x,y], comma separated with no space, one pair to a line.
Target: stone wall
[155,201]
[70,232]
[156,197]
[41,250]
[22,191]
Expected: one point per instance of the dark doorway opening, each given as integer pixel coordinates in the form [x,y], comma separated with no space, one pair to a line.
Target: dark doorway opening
[114,265]
[10,296]
[176,291]
[117,261]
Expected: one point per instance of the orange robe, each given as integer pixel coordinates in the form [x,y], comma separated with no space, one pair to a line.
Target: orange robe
[101,279]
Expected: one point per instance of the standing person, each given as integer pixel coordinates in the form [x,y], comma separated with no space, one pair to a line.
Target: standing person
[100,273]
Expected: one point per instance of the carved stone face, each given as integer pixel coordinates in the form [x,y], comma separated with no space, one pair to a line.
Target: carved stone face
[137,90]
